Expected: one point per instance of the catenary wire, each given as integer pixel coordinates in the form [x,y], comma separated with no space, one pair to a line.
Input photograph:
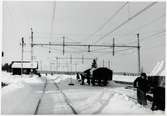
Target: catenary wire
[126,21]
[107,21]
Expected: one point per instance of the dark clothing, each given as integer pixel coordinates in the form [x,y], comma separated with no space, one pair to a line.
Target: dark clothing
[85,75]
[141,83]
[78,76]
[141,97]
[158,98]
[142,87]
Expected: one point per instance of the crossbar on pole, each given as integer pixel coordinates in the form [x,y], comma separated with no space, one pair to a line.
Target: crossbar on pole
[84,45]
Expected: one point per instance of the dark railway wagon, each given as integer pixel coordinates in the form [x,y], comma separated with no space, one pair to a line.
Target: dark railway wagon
[99,76]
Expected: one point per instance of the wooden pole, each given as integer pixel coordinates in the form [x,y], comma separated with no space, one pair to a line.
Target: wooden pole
[138,52]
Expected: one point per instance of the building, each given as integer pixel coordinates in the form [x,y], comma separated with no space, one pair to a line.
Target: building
[16,67]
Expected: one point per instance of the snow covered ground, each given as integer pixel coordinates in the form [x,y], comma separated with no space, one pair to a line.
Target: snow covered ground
[22,96]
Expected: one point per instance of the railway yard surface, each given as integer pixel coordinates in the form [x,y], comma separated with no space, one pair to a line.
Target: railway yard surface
[52,94]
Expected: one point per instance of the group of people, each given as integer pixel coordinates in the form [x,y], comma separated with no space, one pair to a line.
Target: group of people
[143,86]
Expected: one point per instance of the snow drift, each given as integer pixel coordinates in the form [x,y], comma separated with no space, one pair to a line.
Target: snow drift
[19,98]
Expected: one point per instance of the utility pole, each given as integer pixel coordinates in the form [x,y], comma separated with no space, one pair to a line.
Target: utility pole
[41,65]
[50,67]
[113,46]
[71,62]
[22,51]
[63,45]
[138,48]
[88,48]
[108,63]
[82,59]
[31,52]
[56,63]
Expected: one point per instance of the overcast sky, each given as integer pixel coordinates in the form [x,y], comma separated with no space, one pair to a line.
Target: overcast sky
[82,23]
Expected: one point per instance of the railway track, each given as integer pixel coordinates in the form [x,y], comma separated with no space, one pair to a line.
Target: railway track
[43,92]
[66,99]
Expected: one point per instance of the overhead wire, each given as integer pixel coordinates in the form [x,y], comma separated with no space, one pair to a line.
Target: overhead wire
[155,46]
[152,35]
[126,21]
[131,19]
[145,24]
[52,22]
[148,37]
[107,21]
[142,27]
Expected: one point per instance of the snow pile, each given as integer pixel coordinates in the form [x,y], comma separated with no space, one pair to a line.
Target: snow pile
[159,69]
[33,80]
[8,78]
[19,96]
[89,105]
[59,77]
[108,101]
[18,99]
[121,104]
[62,78]
[124,78]
[113,84]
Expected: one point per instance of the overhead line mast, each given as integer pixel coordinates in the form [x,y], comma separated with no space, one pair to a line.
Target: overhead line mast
[32,52]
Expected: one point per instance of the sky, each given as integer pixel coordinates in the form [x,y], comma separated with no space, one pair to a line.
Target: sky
[84,23]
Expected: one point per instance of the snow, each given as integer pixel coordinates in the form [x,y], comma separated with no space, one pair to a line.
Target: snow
[25,65]
[162,73]
[113,99]
[159,69]
[15,95]
[18,92]
[155,68]
[124,78]
[8,78]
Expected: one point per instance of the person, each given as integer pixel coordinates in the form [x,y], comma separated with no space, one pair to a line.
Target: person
[85,75]
[158,99]
[141,83]
[78,77]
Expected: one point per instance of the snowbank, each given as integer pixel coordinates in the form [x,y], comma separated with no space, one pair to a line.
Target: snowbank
[106,101]
[19,97]
[121,104]
[8,78]
[124,78]
[159,69]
